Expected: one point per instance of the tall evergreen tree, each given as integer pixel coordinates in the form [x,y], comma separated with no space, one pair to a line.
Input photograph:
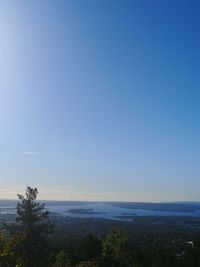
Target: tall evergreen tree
[32,228]
[31,215]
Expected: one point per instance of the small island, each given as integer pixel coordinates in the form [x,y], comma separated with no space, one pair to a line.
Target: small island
[84,211]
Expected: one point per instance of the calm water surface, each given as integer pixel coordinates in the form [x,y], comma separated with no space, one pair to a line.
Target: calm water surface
[95,210]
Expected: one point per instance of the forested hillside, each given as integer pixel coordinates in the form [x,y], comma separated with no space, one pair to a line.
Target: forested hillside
[34,240]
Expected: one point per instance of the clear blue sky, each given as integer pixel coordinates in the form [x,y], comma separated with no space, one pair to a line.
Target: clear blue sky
[100,99]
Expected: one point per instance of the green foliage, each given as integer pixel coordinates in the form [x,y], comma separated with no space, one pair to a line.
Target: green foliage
[13,252]
[115,249]
[62,260]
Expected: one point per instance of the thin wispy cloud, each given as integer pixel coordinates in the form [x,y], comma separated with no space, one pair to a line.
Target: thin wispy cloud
[30,153]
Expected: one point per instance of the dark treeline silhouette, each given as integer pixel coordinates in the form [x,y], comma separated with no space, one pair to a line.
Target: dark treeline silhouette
[32,242]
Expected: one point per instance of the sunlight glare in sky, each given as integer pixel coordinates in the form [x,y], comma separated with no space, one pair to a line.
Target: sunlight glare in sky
[101,98]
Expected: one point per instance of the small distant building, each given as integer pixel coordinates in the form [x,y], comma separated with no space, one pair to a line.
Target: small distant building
[190,243]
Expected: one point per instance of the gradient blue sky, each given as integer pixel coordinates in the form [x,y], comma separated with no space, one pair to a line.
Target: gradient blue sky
[100,100]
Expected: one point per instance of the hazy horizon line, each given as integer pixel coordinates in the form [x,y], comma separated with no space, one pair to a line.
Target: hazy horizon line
[110,201]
